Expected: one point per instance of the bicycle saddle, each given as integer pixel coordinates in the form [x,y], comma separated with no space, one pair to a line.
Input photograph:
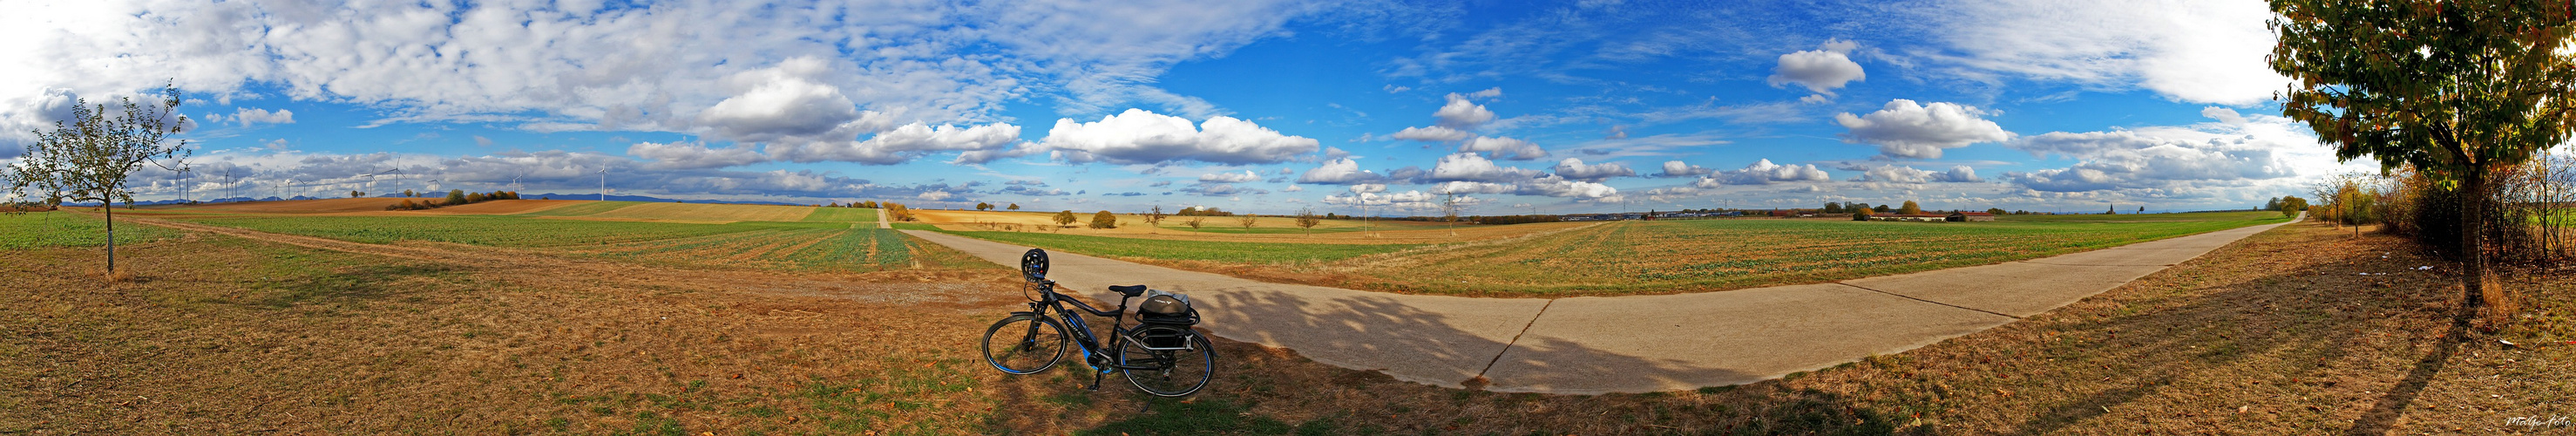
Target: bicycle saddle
[1129,290]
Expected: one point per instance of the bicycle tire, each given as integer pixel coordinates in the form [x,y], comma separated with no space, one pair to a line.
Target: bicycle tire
[1044,337]
[1175,373]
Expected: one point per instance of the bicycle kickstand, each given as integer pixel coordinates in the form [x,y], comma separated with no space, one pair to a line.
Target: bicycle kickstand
[1095,381]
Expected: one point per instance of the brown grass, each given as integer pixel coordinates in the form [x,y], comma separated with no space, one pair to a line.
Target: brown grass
[2279,334]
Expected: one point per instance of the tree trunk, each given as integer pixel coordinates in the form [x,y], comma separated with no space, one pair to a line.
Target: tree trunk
[111,237]
[2475,279]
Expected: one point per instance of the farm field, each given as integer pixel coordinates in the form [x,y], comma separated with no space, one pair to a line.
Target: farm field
[654,233]
[70,229]
[1226,229]
[1166,249]
[1662,257]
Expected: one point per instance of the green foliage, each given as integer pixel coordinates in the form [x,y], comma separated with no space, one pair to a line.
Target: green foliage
[1995,211]
[1833,208]
[1064,218]
[1015,206]
[2453,88]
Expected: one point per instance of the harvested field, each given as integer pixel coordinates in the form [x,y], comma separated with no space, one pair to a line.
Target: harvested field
[1653,257]
[328,205]
[582,208]
[704,212]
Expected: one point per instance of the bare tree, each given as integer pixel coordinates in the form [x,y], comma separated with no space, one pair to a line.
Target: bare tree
[1195,221]
[89,157]
[1247,220]
[1306,219]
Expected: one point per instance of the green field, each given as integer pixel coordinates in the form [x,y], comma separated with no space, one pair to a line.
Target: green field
[1230,252]
[842,215]
[584,209]
[764,244]
[68,229]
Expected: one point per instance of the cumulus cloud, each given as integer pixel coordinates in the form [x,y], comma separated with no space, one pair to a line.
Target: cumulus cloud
[1462,114]
[247,117]
[1575,169]
[693,155]
[1343,171]
[979,143]
[2125,159]
[1821,71]
[1503,148]
[787,100]
[1906,174]
[1553,186]
[1431,134]
[1904,129]
[1474,168]
[1245,176]
[1764,173]
[1222,190]
[1141,137]
[2207,51]
[1679,169]
[1293,188]
[1473,188]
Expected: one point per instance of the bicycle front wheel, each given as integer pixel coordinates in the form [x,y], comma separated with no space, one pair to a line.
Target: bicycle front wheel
[1024,344]
[1167,361]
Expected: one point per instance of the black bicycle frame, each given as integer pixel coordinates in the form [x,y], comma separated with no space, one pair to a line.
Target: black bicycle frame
[1082,332]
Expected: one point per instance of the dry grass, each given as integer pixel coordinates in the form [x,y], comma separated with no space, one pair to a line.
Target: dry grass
[2280,334]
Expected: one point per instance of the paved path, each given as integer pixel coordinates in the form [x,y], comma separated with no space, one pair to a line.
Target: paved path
[1647,343]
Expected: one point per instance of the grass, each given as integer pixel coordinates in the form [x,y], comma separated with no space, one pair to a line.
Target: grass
[70,229]
[1646,257]
[1158,249]
[584,209]
[842,215]
[2279,334]
[789,245]
[497,231]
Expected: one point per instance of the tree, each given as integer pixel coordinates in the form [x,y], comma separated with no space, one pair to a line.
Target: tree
[1995,211]
[1306,219]
[90,156]
[1155,217]
[408,193]
[1015,206]
[2457,90]
[1247,220]
[1064,218]
[1104,220]
[455,197]
[1857,207]
[2272,204]
[2292,205]
[1880,208]
[983,206]
[1194,221]
[1910,208]
[1833,208]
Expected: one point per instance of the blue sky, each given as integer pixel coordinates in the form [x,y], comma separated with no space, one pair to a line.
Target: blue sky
[1511,107]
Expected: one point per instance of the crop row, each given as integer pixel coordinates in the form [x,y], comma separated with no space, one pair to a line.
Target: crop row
[67,229]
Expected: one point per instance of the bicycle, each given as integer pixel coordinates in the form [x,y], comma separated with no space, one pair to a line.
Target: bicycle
[1161,355]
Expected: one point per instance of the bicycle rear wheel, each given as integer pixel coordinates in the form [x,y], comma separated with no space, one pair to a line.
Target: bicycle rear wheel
[1024,344]
[1170,372]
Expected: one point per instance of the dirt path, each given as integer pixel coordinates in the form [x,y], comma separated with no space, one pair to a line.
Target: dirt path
[1650,343]
[528,266]
[882,223]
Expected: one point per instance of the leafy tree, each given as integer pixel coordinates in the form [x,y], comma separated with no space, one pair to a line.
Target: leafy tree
[2272,204]
[1879,208]
[1995,211]
[1910,208]
[1833,207]
[408,193]
[1015,206]
[2457,90]
[2292,205]
[89,157]
[1857,207]
[983,206]
[1104,220]
[1064,218]
[455,197]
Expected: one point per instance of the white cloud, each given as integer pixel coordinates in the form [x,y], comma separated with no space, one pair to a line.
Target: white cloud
[1764,173]
[1487,93]
[1474,168]
[1906,174]
[1503,148]
[1431,134]
[1342,171]
[1462,114]
[1293,188]
[1575,169]
[905,143]
[1473,188]
[1245,176]
[1553,186]
[2208,51]
[1679,169]
[693,155]
[1903,129]
[2263,152]
[1141,137]
[1821,71]
[783,101]
[248,116]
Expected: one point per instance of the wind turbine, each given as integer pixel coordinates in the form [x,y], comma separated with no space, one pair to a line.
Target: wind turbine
[603,183]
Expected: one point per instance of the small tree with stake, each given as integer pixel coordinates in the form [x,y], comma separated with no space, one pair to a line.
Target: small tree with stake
[2456,89]
[1306,219]
[89,157]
